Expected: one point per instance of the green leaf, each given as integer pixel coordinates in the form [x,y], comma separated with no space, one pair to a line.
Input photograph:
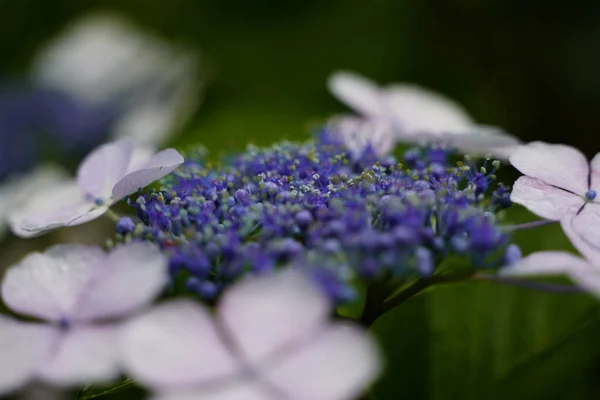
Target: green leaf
[457,341]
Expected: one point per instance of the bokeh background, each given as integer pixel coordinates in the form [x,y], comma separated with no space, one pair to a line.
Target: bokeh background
[530,67]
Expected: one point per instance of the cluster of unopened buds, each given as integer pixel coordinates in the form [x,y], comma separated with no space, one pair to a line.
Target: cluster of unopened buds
[223,280]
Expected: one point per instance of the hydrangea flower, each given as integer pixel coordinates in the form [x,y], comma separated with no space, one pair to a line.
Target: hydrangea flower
[103,60]
[81,292]
[561,185]
[409,113]
[106,175]
[271,338]
[584,271]
[339,214]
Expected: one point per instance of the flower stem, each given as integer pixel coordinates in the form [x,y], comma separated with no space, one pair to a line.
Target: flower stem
[112,215]
[528,225]
[546,287]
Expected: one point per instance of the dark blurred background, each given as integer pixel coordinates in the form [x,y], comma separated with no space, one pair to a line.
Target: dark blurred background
[528,66]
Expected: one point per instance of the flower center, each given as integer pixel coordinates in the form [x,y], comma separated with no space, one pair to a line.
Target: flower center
[99,201]
[591,195]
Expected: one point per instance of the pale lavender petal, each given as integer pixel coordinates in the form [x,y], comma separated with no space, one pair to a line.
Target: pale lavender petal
[338,363]
[479,140]
[131,276]
[545,263]
[140,158]
[267,314]
[23,348]
[417,109]
[104,167]
[359,93]
[583,230]
[595,173]
[59,206]
[49,285]
[555,164]
[176,344]
[544,200]
[588,279]
[230,390]
[84,355]
[358,133]
[160,165]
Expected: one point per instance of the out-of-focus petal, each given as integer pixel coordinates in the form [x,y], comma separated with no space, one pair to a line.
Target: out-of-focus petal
[417,109]
[265,315]
[479,140]
[231,390]
[583,229]
[49,285]
[555,164]
[176,344]
[546,263]
[358,134]
[130,277]
[104,167]
[62,205]
[23,348]
[544,200]
[359,93]
[160,165]
[338,363]
[84,355]
[595,173]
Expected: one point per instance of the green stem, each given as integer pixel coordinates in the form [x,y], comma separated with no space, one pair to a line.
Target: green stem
[110,214]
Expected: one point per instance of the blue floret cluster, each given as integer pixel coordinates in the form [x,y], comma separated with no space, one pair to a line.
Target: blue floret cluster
[346,217]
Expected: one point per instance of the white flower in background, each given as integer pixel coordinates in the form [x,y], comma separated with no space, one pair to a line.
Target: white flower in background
[104,59]
[413,114]
[82,293]
[20,188]
[271,339]
[107,175]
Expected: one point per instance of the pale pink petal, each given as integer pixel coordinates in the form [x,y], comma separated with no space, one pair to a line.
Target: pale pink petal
[338,363]
[265,315]
[159,166]
[546,263]
[358,133]
[62,205]
[85,355]
[359,93]
[49,285]
[104,167]
[555,164]
[23,347]
[588,279]
[130,277]
[544,200]
[583,230]
[595,173]
[176,344]
[416,109]
[479,140]
[229,390]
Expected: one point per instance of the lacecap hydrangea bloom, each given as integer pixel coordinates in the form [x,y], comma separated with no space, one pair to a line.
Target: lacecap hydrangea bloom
[343,216]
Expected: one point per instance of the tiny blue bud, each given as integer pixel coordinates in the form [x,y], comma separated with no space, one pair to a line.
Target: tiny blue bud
[424,261]
[304,218]
[591,195]
[99,201]
[512,254]
[207,290]
[125,225]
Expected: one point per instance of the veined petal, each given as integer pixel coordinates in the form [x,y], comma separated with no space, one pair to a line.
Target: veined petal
[266,315]
[555,164]
[546,263]
[543,199]
[583,230]
[104,167]
[160,165]
[24,347]
[49,285]
[62,205]
[338,363]
[176,344]
[417,109]
[130,277]
[359,93]
[84,355]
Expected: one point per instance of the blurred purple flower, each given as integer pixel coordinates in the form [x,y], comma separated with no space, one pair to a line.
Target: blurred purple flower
[80,291]
[271,338]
